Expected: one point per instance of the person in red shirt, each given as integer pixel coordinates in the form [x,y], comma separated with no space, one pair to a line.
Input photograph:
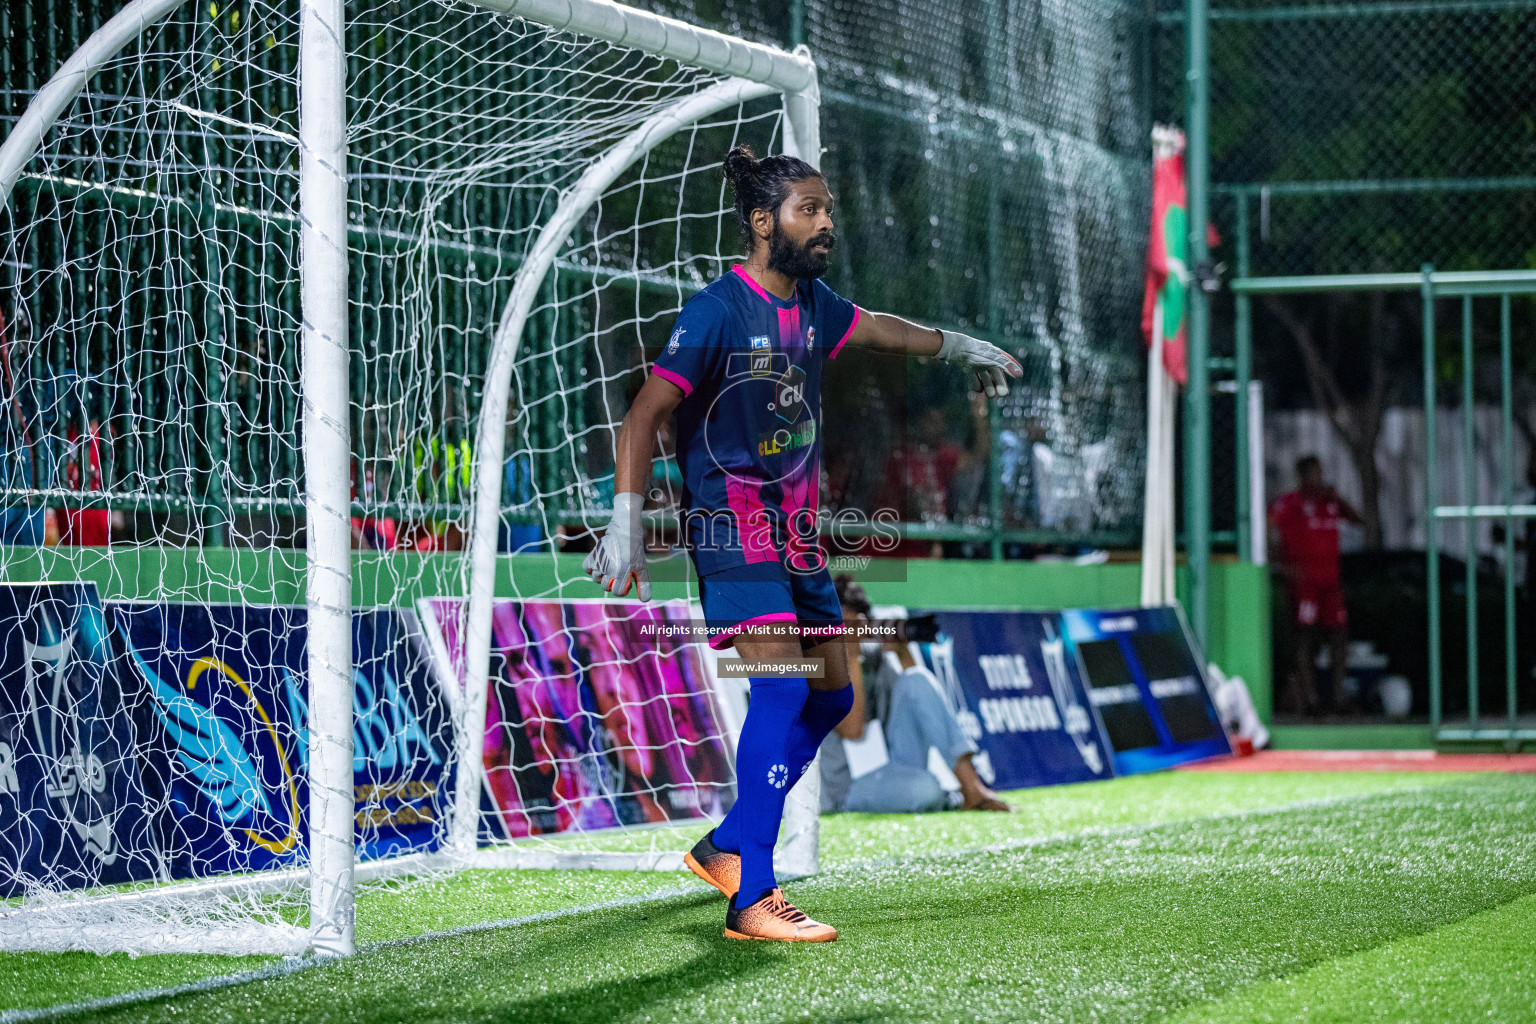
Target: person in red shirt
[1306,525]
[87,527]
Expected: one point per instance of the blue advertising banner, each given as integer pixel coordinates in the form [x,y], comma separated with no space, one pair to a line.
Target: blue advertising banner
[74,811]
[226,688]
[1147,686]
[1024,704]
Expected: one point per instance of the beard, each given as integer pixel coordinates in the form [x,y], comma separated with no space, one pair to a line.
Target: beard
[795,260]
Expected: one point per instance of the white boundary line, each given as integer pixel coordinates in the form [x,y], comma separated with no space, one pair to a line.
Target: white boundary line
[277,970]
[294,965]
[1117,831]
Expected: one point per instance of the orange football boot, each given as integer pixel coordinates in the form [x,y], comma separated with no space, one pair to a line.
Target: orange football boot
[774,919]
[720,869]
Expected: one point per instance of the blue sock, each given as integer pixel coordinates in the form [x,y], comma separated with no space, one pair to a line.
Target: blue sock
[823,710]
[763,775]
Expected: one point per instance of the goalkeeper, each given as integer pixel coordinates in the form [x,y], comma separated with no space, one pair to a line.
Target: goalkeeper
[742,371]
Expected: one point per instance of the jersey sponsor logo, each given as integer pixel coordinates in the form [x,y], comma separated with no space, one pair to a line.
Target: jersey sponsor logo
[787,440]
[761,356]
[756,364]
[789,395]
[672,344]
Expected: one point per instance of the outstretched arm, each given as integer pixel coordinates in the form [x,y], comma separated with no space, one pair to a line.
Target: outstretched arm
[619,557]
[885,332]
[888,333]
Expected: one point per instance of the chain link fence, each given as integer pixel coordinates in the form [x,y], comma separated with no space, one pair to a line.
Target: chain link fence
[1349,138]
[1368,137]
[991,168]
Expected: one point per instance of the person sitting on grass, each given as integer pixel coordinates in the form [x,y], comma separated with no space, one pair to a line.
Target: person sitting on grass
[914,717]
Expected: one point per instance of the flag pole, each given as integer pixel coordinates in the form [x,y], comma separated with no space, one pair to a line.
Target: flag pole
[1152,565]
[1165,265]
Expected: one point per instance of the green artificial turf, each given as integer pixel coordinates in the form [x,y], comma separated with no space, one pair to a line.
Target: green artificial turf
[1057,811]
[1479,968]
[1353,897]
[29,980]
[399,910]
[385,912]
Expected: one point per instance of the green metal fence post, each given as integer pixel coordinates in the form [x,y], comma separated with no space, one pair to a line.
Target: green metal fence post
[796,23]
[1431,497]
[1507,490]
[995,426]
[1242,345]
[215,515]
[1197,399]
[1469,496]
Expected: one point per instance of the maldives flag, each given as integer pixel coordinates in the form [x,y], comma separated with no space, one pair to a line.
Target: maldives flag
[1165,261]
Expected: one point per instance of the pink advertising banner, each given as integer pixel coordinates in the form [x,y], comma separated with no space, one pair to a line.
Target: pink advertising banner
[597,715]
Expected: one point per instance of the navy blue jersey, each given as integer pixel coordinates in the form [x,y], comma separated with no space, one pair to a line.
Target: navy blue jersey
[749,424]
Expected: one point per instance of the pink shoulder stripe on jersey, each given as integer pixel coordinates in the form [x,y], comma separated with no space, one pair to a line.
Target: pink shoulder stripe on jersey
[790,338]
[673,377]
[722,638]
[751,519]
[847,334]
[741,270]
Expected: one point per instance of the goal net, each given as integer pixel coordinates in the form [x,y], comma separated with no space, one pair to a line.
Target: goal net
[208,589]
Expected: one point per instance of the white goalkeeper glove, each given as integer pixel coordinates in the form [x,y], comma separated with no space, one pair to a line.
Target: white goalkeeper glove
[620,556]
[991,364]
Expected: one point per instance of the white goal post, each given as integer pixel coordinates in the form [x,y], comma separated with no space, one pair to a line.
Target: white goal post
[799,855]
[747,71]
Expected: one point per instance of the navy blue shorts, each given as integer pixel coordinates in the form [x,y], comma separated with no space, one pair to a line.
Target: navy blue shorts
[764,592]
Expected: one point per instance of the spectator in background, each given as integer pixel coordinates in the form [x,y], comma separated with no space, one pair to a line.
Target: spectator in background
[87,526]
[921,476]
[1529,498]
[1305,525]
[439,472]
[914,717]
[371,533]
[519,493]
[81,465]
[20,523]
[23,525]
[1524,564]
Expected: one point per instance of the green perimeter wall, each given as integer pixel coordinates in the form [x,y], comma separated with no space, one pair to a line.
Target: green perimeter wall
[1239,627]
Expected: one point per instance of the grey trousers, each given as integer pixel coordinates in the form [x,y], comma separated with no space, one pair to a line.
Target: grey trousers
[919,719]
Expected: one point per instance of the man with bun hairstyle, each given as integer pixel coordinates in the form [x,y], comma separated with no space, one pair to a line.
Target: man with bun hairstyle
[742,373]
